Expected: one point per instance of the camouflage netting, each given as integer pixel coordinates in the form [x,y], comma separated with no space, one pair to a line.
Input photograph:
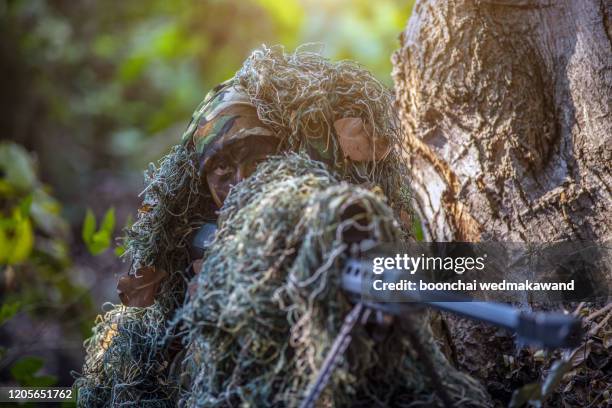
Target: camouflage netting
[267,305]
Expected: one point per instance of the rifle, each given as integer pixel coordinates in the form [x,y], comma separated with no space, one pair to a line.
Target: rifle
[543,329]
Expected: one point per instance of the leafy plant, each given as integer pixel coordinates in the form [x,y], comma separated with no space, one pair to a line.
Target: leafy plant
[100,240]
[16,238]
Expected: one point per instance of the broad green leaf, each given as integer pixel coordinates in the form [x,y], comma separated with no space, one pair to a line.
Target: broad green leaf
[16,234]
[22,239]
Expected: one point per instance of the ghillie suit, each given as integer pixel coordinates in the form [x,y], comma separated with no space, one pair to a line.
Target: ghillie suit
[264,307]
[268,306]
[126,362]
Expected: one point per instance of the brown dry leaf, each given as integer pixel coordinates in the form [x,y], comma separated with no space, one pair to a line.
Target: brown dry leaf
[357,143]
[145,208]
[139,290]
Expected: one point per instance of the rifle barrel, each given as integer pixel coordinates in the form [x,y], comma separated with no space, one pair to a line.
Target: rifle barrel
[543,329]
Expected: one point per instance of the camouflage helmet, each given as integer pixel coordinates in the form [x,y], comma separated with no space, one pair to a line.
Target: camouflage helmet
[225,116]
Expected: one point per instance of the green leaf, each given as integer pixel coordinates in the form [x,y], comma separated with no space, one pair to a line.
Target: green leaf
[9,310]
[25,368]
[108,222]
[98,241]
[89,226]
[22,239]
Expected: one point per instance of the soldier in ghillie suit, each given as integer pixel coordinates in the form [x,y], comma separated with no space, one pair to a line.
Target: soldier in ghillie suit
[298,162]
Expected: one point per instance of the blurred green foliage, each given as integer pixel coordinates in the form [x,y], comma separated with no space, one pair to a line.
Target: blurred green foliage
[36,276]
[25,204]
[25,371]
[100,79]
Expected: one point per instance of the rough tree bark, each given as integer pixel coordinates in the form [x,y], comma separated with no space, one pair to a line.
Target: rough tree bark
[507,109]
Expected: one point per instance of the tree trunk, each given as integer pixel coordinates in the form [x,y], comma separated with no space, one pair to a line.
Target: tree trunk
[507,109]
